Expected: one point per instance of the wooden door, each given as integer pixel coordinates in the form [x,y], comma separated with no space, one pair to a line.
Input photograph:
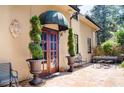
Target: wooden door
[50,51]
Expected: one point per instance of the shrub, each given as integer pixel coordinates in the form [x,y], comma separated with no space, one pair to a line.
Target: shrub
[122,64]
[35,22]
[35,35]
[98,51]
[116,50]
[110,48]
[120,36]
[36,50]
[71,43]
[107,47]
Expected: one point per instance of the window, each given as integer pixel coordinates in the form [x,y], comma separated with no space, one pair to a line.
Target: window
[76,43]
[89,45]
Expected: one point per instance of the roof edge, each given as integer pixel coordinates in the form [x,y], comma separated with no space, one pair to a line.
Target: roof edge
[89,18]
[89,22]
[75,7]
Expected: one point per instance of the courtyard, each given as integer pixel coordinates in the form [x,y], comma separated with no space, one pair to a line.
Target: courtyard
[89,76]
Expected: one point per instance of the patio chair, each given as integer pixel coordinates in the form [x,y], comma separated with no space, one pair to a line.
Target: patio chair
[107,63]
[78,59]
[101,63]
[7,75]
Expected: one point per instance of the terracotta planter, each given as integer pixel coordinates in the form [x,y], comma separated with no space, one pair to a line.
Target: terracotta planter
[35,69]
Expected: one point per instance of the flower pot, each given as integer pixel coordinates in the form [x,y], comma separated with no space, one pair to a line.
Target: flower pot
[70,63]
[70,60]
[35,69]
[35,66]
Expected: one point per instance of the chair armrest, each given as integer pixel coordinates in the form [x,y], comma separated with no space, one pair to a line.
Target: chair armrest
[14,73]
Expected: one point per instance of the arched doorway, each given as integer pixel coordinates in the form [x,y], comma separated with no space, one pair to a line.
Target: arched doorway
[50,40]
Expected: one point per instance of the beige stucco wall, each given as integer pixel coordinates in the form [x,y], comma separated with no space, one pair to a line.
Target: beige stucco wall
[16,50]
[63,49]
[86,32]
[12,49]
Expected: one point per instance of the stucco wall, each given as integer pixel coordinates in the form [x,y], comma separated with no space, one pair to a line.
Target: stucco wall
[12,49]
[86,32]
[63,49]
[15,50]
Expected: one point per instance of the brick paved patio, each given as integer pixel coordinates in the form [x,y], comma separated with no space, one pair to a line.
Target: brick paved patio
[88,77]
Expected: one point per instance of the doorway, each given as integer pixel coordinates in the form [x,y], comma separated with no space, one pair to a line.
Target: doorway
[50,49]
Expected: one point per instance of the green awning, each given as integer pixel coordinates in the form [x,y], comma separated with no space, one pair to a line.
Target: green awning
[54,17]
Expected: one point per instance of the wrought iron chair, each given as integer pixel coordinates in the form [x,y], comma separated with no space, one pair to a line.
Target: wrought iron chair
[7,75]
[78,59]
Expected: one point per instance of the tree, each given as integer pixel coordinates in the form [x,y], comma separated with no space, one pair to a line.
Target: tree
[120,36]
[108,18]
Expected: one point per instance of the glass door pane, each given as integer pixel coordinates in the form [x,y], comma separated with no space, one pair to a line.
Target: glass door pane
[53,50]
[44,50]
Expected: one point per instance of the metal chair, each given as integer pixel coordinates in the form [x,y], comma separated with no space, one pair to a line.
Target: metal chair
[7,75]
[78,59]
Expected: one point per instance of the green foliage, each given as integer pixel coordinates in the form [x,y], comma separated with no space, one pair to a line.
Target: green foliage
[98,51]
[108,17]
[122,64]
[35,35]
[116,51]
[71,49]
[120,36]
[36,24]
[36,50]
[111,48]
[107,47]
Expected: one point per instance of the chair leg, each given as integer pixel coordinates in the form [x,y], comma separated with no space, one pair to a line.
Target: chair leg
[10,84]
[16,82]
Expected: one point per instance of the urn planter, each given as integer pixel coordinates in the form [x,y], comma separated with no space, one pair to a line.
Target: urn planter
[35,50]
[70,63]
[35,69]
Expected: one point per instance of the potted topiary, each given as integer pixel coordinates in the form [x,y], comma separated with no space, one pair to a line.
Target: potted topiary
[36,50]
[71,50]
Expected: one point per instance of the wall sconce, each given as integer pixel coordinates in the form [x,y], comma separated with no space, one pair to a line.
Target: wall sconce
[15,28]
[74,15]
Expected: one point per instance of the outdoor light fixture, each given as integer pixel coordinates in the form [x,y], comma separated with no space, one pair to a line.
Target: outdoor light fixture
[74,15]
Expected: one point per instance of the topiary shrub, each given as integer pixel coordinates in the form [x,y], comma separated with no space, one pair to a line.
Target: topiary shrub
[36,50]
[71,49]
[35,35]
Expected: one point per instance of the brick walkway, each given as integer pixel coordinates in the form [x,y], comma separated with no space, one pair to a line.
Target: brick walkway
[89,77]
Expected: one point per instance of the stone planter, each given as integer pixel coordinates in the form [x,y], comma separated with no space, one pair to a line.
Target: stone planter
[70,63]
[35,69]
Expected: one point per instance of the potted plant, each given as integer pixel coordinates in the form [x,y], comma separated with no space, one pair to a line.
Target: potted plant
[71,50]
[36,50]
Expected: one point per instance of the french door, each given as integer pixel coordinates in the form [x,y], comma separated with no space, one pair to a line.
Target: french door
[50,51]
